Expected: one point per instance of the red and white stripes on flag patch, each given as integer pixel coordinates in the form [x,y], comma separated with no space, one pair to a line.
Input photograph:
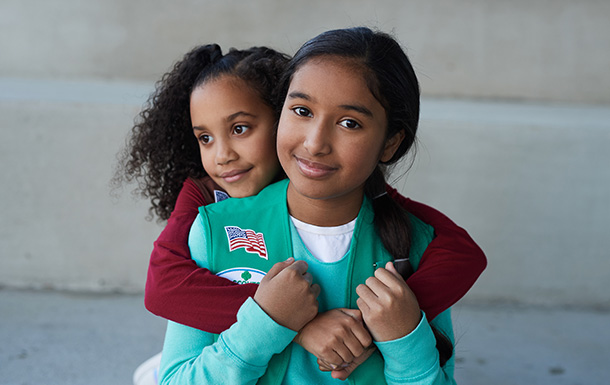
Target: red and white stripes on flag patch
[251,241]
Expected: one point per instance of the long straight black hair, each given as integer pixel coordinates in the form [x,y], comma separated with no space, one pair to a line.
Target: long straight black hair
[392,81]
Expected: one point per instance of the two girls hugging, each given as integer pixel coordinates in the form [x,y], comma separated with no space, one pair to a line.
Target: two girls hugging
[340,277]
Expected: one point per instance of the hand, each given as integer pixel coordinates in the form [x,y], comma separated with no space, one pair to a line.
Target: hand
[336,337]
[287,295]
[389,308]
[344,372]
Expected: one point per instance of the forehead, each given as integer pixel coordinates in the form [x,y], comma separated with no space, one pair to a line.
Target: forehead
[335,80]
[334,68]
[224,92]
[224,83]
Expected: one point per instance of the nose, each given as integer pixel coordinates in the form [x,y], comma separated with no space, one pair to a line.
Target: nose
[317,139]
[225,153]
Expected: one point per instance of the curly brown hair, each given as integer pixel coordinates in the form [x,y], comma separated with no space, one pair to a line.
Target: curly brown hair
[161,151]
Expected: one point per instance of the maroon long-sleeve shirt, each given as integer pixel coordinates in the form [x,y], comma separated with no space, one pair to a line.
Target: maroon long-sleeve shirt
[177,289]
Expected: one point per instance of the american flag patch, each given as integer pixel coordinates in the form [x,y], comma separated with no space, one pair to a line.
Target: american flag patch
[253,242]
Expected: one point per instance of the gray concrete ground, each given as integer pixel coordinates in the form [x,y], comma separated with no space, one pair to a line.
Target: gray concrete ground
[73,339]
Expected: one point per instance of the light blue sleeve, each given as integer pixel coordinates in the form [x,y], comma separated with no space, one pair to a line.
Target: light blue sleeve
[413,359]
[197,243]
[239,356]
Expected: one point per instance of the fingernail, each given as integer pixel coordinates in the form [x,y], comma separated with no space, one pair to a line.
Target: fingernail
[290,259]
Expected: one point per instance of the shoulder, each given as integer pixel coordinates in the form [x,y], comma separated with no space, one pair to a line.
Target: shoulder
[204,187]
[265,201]
[424,212]
[188,200]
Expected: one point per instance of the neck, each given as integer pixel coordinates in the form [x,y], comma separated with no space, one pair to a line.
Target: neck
[327,212]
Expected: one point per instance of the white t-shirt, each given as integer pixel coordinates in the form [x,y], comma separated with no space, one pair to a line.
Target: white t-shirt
[326,244]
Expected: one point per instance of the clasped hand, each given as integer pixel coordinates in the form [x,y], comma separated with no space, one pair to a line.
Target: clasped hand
[342,338]
[389,307]
[287,295]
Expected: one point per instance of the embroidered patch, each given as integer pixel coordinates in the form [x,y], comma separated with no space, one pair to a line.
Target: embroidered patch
[220,195]
[242,275]
[251,241]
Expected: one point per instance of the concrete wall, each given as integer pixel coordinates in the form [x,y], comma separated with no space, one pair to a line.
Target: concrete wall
[526,178]
[530,183]
[540,49]
[61,227]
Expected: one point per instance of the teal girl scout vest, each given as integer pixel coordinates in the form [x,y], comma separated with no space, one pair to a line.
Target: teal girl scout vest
[247,236]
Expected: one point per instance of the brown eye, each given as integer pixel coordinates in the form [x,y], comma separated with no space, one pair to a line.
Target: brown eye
[205,139]
[302,111]
[350,123]
[240,129]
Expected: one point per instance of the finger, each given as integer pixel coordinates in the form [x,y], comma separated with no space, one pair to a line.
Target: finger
[388,278]
[277,268]
[344,353]
[391,283]
[327,366]
[315,290]
[359,338]
[392,269]
[332,360]
[299,266]
[356,348]
[342,374]
[366,294]
[362,305]
[308,277]
[404,268]
[324,366]
[377,287]
[362,340]
[354,313]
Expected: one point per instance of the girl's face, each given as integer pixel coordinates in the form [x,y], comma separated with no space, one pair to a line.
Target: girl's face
[236,134]
[331,133]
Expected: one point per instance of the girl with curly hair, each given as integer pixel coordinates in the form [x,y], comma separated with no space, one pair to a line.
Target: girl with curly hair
[351,108]
[208,132]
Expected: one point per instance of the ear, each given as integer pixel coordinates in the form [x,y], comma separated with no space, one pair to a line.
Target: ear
[391,145]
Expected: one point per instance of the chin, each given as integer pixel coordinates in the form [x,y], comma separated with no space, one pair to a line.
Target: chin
[241,193]
[312,193]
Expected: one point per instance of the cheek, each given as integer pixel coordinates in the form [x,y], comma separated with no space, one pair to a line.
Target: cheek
[263,144]
[282,140]
[284,149]
[265,151]
[363,161]
[287,133]
[206,160]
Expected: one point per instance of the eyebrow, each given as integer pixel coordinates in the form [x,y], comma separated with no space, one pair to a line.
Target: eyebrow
[299,95]
[238,114]
[363,110]
[351,107]
[230,118]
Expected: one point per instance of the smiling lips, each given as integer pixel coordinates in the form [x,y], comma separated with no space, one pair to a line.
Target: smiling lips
[234,176]
[314,170]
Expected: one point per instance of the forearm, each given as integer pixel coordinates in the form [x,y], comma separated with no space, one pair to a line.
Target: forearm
[180,291]
[414,359]
[239,356]
[176,288]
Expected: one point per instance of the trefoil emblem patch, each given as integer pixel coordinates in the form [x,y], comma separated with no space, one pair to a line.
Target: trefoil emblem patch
[251,241]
